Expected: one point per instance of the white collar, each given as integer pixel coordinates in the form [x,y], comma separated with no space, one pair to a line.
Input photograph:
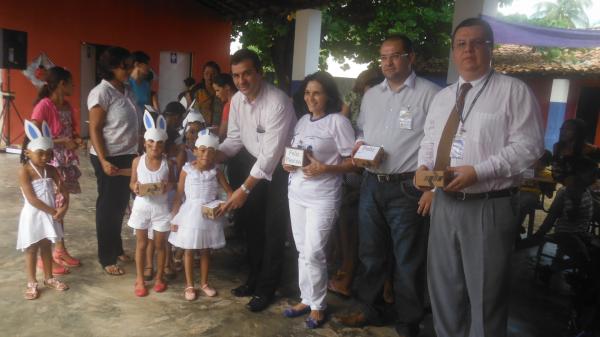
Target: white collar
[408,82]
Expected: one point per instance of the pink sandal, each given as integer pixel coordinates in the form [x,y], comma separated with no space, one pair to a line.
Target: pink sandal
[208,290]
[56,284]
[56,270]
[31,293]
[63,258]
[189,293]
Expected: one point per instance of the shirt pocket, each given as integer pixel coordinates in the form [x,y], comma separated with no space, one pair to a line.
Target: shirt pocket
[489,128]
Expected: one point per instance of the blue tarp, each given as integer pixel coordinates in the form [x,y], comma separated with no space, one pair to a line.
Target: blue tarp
[530,35]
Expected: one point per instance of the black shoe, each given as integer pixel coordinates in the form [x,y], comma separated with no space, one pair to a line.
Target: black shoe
[242,291]
[407,330]
[258,303]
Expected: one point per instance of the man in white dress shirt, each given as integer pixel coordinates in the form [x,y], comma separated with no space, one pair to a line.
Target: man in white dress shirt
[486,129]
[261,122]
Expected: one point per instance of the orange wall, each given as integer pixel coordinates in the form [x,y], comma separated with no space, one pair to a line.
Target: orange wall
[59,27]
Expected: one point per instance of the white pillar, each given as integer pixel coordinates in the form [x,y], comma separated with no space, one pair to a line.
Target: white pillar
[307,44]
[556,111]
[464,9]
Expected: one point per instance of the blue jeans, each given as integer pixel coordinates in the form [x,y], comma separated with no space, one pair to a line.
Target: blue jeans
[392,239]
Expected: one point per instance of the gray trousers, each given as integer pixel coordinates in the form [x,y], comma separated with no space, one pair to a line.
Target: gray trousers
[470,243]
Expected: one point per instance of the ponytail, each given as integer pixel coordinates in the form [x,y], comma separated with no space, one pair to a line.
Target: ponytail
[23,158]
[54,76]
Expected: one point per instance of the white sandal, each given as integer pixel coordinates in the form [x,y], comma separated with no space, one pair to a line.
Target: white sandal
[189,293]
[208,290]
[31,293]
[56,284]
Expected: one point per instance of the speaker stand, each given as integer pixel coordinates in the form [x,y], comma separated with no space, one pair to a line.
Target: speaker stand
[8,98]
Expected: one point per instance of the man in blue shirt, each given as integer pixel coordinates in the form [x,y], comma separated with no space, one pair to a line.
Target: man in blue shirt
[139,83]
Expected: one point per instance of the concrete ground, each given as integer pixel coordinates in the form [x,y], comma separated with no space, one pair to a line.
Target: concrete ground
[102,305]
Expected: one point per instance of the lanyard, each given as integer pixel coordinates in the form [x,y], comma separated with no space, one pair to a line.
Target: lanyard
[463,120]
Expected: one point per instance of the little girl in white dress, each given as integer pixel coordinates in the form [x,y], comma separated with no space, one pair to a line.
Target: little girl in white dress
[39,221]
[190,230]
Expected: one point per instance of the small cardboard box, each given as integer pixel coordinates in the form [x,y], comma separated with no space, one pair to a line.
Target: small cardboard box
[368,156]
[150,189]
[295,157]
[210,210]
[431,179]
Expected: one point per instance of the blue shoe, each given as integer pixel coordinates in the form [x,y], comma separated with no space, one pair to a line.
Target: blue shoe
[291,313]
[312,323]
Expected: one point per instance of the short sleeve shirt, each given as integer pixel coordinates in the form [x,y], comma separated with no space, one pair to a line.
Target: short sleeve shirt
[121,127]
[329,138]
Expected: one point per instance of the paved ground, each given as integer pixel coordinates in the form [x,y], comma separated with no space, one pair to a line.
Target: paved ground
[101,305]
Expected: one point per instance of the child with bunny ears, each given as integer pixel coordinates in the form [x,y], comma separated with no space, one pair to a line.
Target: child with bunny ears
[150,212]
[198,182]
[39,221]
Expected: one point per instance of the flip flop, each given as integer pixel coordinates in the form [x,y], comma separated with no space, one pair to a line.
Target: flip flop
[62,257]
[189,293]
[140,292]
[124,258]
[291,312]
[113,270]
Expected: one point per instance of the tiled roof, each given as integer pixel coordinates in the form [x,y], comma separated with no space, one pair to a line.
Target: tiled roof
[526,61]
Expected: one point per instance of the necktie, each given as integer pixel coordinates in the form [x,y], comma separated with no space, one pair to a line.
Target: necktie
[442,159]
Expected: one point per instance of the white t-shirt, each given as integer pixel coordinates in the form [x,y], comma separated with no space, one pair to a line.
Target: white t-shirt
[121,126]
[330,138]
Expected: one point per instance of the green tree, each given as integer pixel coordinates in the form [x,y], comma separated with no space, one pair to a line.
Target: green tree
[352,29]
[563,13]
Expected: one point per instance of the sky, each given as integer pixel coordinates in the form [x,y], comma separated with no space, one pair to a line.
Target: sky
[526,7]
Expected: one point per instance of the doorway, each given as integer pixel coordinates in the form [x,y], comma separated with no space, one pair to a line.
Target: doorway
[588,108]
[88,80]
[174,67]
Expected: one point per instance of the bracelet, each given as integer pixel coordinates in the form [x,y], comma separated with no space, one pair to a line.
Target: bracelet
[245,189]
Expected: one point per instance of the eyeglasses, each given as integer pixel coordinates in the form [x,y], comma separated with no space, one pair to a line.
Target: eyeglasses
[461,45]
[392,57]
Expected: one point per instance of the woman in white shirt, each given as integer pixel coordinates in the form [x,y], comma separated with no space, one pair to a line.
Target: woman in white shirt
[114,135]
[315,190]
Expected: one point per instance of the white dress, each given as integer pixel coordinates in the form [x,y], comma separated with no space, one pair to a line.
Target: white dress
[35,224]
[194,230]
[151,212]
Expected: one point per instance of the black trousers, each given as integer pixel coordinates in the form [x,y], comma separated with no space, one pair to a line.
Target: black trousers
[113,198]
[265,219]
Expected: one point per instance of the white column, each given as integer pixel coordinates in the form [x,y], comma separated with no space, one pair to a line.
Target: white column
[464,9]
[307,44]
[556,111]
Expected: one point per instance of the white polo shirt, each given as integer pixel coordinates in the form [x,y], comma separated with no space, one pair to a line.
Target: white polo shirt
[330,138]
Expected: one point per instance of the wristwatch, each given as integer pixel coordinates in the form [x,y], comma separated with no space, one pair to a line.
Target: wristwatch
[245,189]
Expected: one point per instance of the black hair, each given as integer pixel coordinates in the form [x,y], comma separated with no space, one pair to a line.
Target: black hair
[54,76]
[212,64]
[225,79]
[334,101]
[112,58]
[140,57]
[189,82]
[406,42]
[174,109]
[487,29]
[247,54]
[546,158]
[23,157]
[579,141]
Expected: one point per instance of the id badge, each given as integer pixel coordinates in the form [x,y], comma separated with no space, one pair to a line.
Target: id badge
[405,119]
[458,148]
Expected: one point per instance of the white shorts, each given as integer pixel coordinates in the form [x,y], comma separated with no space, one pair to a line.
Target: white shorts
[150,217]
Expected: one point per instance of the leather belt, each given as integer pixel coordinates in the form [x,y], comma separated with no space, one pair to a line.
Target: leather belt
[389,178]
[484,195]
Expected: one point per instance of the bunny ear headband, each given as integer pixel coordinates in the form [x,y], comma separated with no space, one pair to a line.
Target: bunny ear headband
[193,116]
[39,140]
[205,138]
[154,131]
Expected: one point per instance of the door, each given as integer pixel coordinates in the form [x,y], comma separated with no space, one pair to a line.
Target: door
[173,69]
[86,83]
